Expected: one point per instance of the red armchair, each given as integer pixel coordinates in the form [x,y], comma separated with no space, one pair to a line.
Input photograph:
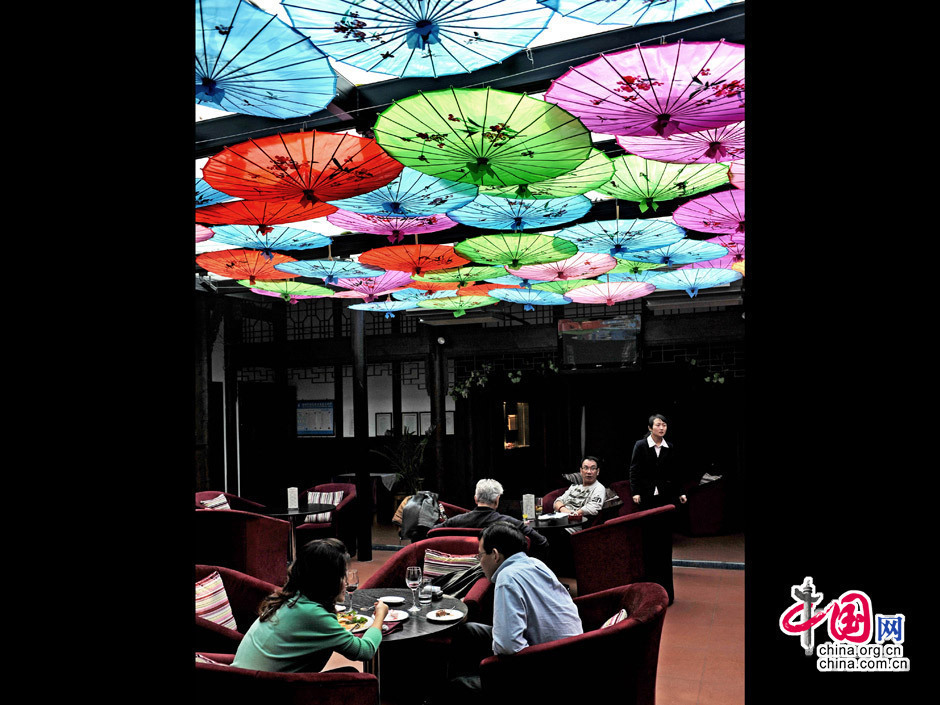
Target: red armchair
[234,501]
[342,524]
[452,510]
[624,655]
[249,543]
[244,594]
[241,685]
[632,548]
[625,492]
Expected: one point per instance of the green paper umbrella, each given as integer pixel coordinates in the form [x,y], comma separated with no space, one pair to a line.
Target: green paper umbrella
[647,182]
[515,249]
[462,275]
[458,304]
[483,136]
[590,175]
[627,266]
[288,288]
[563,286]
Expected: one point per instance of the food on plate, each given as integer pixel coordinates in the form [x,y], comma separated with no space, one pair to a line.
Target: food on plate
[350,620]
[441,613]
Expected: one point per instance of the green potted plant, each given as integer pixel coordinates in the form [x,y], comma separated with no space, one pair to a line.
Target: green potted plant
[405,455]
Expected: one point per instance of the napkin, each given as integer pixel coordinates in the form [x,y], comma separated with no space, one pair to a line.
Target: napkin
[389,628]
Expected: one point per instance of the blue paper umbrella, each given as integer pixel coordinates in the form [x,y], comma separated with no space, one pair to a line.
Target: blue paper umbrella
[530,298]
[249,61]
[414,295]
[419,37]
[643,275]
[632,13]
[412,194]
[277,238]
[207,196]
[683,252]
[691,279]
[330,270]
[388,307]
[620,237]
[515,214]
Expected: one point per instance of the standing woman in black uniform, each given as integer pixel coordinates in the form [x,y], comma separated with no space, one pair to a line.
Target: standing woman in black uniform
[656,475]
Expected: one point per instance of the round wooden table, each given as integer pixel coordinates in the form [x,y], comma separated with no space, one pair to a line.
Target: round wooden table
[295,515]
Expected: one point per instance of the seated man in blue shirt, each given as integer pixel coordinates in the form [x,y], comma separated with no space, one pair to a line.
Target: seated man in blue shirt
[530,607]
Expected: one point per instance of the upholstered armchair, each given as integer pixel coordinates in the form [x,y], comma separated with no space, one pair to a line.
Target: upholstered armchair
[250,543]
[452,510]
[342,523]
[707,511]
[244,594]
[234,501]
[622,657]
[625,492]
[632,548]
[240,685]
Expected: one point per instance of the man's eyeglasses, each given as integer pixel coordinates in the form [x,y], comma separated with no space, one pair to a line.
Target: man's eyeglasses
[589,467]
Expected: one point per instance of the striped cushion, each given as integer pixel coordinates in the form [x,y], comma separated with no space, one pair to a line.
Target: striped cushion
[212,601]
[619,617]
[333,498]
[202,658]
[219,502]
[437,563]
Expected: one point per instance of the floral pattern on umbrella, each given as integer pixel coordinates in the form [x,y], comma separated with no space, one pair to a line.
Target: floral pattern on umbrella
[530,298]
[417,37]
[370,288]
[620,237]
[515,249]
[417,294]
[249,61]
[721,212]
[288,289]
[278,238]
[483,136]
[207,196]
[458,304]
[691,279]
[329,270]
[415,259]
[305,167]
[244,264]
[648,182]
[583,265]
[411,194]
[721,144]
[592,173]
[610,293]
[515,214]
[682,252]
[395,228]
[465,275]
[264,215]
[633,13]
[656,90]
[562,286]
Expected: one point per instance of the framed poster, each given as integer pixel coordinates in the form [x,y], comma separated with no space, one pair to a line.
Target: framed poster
[449,423]
[315,418]
[409,421]
[424,422]
[383,423]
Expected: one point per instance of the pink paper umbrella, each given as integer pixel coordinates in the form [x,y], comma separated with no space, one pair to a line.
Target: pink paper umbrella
[721,144]
[203,233]
[394,227]
[610,293]
[583,265]
[736,174]
[370,288]
[656,90]
[721,212]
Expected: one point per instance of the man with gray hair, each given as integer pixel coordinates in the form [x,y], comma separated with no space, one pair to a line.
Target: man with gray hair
[486,497]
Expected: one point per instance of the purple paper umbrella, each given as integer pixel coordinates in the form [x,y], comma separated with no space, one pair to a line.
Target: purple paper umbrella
[394,227]
[721,212]
[370,288]
[203,233]
[610,293]
[736,174]
[656,90]
[583,265]
[721,144]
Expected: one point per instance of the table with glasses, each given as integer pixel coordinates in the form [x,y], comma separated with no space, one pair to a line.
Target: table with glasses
[295,515]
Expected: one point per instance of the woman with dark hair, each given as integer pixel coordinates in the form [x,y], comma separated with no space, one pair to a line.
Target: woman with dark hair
[297,629]
[656,475]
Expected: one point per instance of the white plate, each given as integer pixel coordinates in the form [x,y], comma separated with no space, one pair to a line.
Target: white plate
[451,615]
[392,600]
[396,616]
[363,627]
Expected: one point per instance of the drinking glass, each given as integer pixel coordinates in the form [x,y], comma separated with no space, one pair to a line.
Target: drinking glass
[352,584]
[424,592]
[413,581]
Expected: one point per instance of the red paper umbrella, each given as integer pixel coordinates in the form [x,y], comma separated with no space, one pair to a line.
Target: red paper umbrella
[244,264]
[413,258]
[302,167]
[262,214]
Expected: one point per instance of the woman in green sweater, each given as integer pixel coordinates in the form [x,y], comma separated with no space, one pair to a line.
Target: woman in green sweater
[297,629]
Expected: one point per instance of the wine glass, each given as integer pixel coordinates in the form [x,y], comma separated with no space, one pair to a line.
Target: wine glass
[413,581]
[352,584]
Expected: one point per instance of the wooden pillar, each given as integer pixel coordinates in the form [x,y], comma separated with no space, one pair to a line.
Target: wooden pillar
[361,433]
[437,389]
[233,334]
[202,393]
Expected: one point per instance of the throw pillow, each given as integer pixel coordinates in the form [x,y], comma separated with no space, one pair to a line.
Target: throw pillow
[212,601]
[611,499]
[619,617]
[437,563]
[220,502]
[333,498]
[573,478]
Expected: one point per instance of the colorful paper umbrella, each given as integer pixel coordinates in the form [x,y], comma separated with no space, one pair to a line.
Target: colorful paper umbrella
[245,264]
[736,174]
[412,193]
[278,238]
[515,249]
[610,293]
[263,215]
[656,90]
[291,299]
[738,267]
[562,287]
[330,270]
[388,307]
[645,275]
[626,266]
[495,213]
[592,173]
[691,279]
[207,196]
[530,298]
[632,13]
[393,227]
[619,237]
[483,136]
[249,61]
[721,212]
[682,252]
[419,37]
[458,304]
[648,182]
[415,294]
[288,289]
[511,280]
[369,288]
[415,259]
[721,144]
[304,167]
[465,275]
[733,243]
[583,265]
[203,233]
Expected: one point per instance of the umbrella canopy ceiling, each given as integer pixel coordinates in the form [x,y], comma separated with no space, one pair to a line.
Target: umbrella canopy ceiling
[264,215]
[278,238]
[458,304]
[692,279]
[288,289]
[610,293]
[249,61]
[590,174]
[419,38]
[393,227]
[620,237]
[329,270]
[514,214]
[245,264]
[207,196]
[682,252]
[631,13]
[203,233]
[583,265]
[649,182]
[415,259]
[721,212]
[736,174]
[411,194]
[515,249]
[388,307]
[721,144]
[371,287]
[530,298]
[464,275]
[656,90]
[483,136]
